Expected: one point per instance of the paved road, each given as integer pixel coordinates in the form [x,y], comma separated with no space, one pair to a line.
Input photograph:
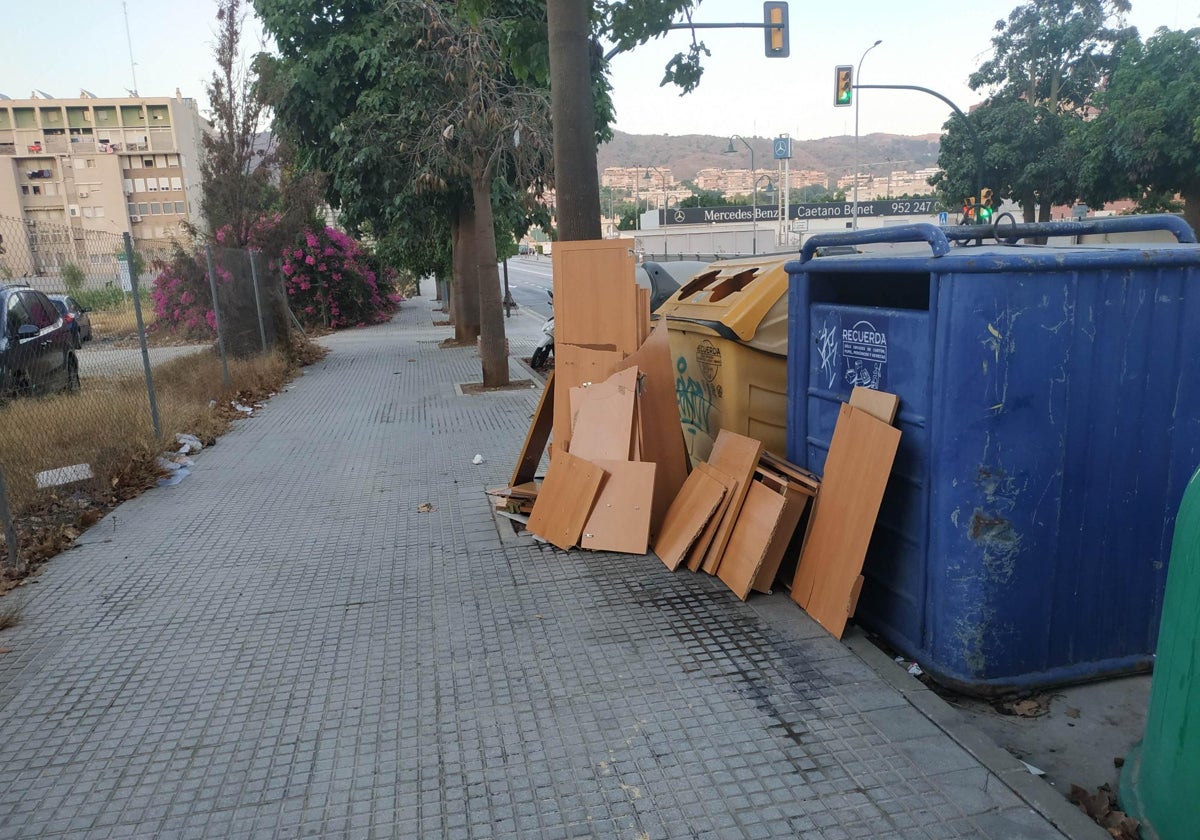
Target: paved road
[97,360]
[529,278]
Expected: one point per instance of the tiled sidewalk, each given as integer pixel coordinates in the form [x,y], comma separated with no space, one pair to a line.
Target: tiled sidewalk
[284,646]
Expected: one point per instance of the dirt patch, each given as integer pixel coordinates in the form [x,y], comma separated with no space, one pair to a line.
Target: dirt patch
[515,385]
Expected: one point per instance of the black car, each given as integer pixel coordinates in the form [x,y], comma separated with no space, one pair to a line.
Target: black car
[37,348]
[76,317]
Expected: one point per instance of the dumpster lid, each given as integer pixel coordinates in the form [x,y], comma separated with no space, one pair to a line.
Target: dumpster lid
[732,297]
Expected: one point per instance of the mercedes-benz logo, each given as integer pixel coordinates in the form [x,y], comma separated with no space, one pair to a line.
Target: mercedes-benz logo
[679,215]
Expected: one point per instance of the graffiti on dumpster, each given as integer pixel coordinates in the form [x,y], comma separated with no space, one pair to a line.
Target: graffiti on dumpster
[865,349]
[827,349]
[695,398]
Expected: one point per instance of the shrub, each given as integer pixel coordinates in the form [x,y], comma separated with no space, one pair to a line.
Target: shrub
[72,277]
[182,296]
[329,281]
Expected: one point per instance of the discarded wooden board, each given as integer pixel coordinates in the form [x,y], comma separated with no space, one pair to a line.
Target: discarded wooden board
[602,417]
[687,516]
[661,435]
[535,439]
[595,295]
[750,538]
[572,367]
[566,499]
[796,500]
[794,473]
[695,555]
[736,456]
[856,474]
[620,518]
[879,404]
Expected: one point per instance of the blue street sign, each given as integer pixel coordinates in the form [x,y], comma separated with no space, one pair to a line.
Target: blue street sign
[943,218]
[783,148]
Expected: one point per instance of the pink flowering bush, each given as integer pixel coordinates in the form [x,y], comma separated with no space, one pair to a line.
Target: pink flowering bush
[182,298]
[330,281]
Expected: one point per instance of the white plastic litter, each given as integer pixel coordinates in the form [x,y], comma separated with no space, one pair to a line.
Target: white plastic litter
[1034,770]
[478,459]
[188,444]
[915,670]
[245,409]
[167,464]
[175,477]
[63,475]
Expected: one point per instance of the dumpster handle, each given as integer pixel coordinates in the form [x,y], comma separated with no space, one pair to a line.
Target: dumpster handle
[939,238]
[923,232]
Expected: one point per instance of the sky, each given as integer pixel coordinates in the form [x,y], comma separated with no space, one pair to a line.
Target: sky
[930,43]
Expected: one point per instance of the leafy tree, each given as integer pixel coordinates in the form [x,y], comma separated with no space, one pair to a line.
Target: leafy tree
[704,198]
[1146,141]
[1049,57]
[237,185]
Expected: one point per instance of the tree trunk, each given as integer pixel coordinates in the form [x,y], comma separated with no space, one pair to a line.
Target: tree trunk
[573,112]
[1191,208]
[453,287]
[493,352]
[466,282]
[1028,208]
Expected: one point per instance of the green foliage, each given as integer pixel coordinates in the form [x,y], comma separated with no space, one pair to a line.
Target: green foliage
[108,298]
[704,198]
[1145,144]
[72,277]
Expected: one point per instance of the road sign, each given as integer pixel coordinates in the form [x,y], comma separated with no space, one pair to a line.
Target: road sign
[943,218]
[126,277]
[783,148]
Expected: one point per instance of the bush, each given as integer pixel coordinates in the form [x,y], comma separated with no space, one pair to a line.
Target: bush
[182,296]
[72,277]
[330,282]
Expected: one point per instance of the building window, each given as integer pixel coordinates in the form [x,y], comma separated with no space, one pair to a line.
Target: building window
[179,207]
[139,184]
[172,160]
[164,184]
[155,208]
[73,209]
[177,183]
[37,190]
[143,209]
[148,162]
[100,212]
[131,209]
[128,183]
[91,163]
[87,212]
[25,189]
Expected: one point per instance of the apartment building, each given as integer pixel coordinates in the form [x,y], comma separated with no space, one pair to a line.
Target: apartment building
[94,164]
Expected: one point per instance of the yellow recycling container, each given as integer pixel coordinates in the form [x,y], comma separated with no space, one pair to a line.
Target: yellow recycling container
[728,332]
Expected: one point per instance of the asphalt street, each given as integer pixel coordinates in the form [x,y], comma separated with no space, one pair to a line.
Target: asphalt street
[529,278]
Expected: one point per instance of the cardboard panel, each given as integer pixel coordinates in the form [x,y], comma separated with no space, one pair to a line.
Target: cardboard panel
[572,367]
[750,539]
[595,295]
[658,420]
[695,555]
[620,518]
[736,456]
[856,474]
[536,437]
[687,516]
[602,417]
[565,500]
[879,404]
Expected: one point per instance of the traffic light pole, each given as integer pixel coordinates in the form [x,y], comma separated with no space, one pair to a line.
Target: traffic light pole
[976,147]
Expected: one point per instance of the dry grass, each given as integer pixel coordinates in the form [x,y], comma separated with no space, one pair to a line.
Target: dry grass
[119,321]
[10,614]
[108,427]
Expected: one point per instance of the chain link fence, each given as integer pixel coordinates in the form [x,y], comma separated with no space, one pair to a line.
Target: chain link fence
[112,347]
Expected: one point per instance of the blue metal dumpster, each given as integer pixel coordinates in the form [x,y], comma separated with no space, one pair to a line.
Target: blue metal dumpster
[1050,409]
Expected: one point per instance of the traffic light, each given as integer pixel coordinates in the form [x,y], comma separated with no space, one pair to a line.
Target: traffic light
[969,210]
[843,78]
[775,21]
[986,206]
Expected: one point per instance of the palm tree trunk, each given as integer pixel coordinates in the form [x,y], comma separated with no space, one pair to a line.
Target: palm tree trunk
[571,104]
[493,350]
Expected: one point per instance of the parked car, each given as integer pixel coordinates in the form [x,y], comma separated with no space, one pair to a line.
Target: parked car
[37,348]
[76,316]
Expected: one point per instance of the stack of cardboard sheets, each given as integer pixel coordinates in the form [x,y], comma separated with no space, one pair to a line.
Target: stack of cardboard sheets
[618,477]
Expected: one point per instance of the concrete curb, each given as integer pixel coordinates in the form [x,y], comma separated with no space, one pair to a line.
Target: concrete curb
[1037,794]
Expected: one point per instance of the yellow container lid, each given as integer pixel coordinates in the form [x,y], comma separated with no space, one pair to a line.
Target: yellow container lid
[743,299]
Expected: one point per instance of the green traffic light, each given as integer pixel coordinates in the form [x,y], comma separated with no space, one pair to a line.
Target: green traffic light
[985,215]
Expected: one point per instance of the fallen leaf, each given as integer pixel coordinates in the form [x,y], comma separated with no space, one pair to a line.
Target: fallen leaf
[1035,706]
[425,507]
[5,650]
[1072,712]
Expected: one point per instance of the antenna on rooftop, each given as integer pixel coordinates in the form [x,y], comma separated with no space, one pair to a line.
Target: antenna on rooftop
[129,40]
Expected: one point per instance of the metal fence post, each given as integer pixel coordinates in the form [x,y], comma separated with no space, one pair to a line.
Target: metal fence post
[212,282]
[10,533]
[141,328]
[262,329]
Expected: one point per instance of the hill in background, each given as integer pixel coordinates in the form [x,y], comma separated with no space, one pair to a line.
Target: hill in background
[689,153]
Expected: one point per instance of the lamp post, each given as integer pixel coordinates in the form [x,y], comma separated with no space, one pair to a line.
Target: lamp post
[754,210]
[857,75]
[637,200]
[664,182]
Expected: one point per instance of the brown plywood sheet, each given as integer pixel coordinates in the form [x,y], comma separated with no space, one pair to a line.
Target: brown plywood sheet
[602,417]
[856,473]
[796,499]
[536,437]
[736,456]
[658,420]
[595,294]
[572,367]
[565,500]
[879,404]
[794,473]
[695,555]
[687,516]
[750,538]
[620,518]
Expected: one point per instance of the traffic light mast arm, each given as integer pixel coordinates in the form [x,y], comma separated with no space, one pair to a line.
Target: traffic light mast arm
[976,147]
[617,50]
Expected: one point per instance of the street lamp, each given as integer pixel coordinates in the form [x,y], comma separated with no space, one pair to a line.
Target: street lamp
[857,79]
[754,210]
[646,177]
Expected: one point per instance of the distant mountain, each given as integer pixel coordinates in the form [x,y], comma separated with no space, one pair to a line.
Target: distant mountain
[689,153]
